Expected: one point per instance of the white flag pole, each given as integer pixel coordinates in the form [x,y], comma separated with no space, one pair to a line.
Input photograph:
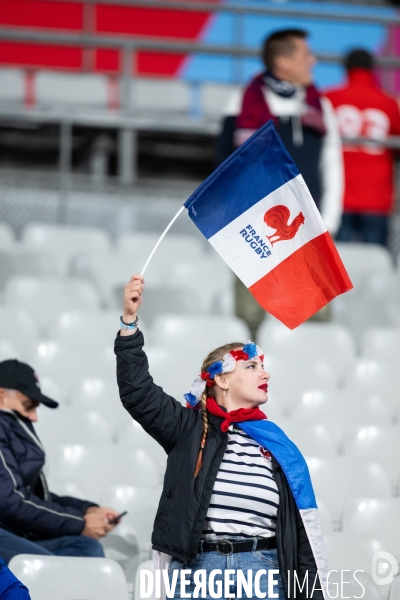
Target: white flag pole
[161,238]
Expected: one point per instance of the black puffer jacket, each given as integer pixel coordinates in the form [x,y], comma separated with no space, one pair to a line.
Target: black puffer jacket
[184,500]
[27,507]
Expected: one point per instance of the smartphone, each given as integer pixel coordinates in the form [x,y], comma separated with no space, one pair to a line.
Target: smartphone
[115,520]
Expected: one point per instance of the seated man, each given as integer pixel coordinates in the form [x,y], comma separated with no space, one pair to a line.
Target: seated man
[32,519]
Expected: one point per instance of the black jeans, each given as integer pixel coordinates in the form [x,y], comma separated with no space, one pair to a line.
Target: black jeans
[364,227]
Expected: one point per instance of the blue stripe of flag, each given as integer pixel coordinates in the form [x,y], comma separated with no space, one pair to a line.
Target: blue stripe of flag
[257,168]
[271,437]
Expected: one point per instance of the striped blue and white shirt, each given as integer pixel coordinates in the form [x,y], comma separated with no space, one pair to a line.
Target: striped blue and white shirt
[245,497]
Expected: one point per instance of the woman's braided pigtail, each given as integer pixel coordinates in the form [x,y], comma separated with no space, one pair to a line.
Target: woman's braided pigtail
[214,356]
[203,409]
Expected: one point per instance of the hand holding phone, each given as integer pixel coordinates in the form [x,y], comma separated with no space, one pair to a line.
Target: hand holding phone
[116,519]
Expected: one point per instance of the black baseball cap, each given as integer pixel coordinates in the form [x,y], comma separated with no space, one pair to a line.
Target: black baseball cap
[16,375]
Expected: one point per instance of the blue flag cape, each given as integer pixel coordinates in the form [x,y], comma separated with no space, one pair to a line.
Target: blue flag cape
[270,436]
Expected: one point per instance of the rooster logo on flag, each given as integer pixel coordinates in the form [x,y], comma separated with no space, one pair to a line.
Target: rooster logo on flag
[277,218]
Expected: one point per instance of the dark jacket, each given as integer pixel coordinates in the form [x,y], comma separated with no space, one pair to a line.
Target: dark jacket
[184,500]
[27,508]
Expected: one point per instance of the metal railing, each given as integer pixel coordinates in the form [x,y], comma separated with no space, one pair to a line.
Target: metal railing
[124,121]
[246,8]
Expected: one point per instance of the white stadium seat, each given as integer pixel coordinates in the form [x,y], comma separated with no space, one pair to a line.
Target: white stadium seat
[351,551]
[382,344]
[47,297]
[7,350]
[347,584]
[325,517]
[7,239]
[290,379]
[361,260]
[51,389]
[110,271]
[76,327]
[368,304]
[68,364]
[209,277]
[172,370]
[215,97]
[328,341]
[395,589]
[96,466]
[356,311]
[137,244]
[197,335]
[383,293]
[275,409]
[12,87]
[339,410]
[151,95]
[122,545]
[376,443]
[173,247]
[69,425]
[377,516]
[338,479]
[71,89]
[159,299]
[64,242]
[24,262]
[314,439]
[19,329]
[65,487]
[100,395]
[146,565]
[371,377]
[133,435]
[141,504]
[70,577]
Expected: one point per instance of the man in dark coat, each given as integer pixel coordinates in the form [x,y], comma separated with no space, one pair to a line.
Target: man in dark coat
[33,520]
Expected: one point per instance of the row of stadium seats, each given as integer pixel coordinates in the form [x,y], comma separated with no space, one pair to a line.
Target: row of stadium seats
[331,342]
[62,311]
[69,577]
[130,478]
[188,291]
[346,553]
[318,436]
[98,92]
[50,577]
[73,267]
[317,357]
[66,241]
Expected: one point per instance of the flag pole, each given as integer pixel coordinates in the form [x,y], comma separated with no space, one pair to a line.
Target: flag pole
[161,238]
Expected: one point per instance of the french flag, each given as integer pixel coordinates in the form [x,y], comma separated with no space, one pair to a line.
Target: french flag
[257,212]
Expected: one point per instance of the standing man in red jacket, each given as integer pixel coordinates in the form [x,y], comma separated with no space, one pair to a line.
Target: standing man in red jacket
[363,110]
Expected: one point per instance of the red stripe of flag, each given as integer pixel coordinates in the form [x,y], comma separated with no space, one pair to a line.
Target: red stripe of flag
[303,283]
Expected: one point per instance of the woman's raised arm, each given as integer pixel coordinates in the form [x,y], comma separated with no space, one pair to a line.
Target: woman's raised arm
[159,414]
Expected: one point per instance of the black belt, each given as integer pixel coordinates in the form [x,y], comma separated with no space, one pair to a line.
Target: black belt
[227,546]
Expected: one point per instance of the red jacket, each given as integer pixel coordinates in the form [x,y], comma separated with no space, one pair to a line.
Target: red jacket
[363,110]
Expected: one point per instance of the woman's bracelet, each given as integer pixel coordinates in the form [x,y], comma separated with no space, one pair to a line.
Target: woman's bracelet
[130,326]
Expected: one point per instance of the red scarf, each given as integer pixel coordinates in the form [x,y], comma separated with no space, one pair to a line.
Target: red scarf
[234,416]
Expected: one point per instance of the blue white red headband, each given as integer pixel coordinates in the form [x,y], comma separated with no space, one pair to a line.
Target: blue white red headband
[226,365]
